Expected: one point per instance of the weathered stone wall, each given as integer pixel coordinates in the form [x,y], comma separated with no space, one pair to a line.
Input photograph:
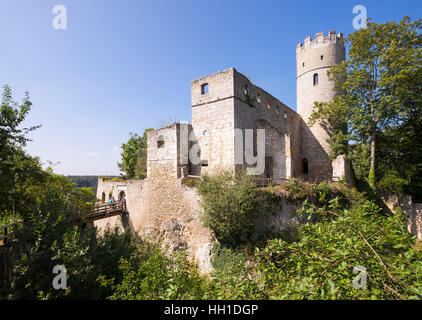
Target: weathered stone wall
[280,220]
[110,186]
[226,107]
[316,57]
[413,211]
[163,155]
[254,108]
[134,192]
[161,208]
[342,169]
[213,120]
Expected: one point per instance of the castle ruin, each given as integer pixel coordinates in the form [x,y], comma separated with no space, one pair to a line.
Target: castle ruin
[226,103]
[229,112]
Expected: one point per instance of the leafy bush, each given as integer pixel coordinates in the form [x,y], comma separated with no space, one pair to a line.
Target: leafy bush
[149,275]
[320,264]
[233,276]
[393,182]
[47,238]
[190,182]
[231,206]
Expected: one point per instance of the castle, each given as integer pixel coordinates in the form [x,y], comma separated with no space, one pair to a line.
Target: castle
[233,121]
[228,111]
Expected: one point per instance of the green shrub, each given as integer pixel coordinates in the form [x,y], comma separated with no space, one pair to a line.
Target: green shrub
[297,188]
[227,261]
[320,264]
[148,274]
[231,206]
[233,277]
[391,181]
[190,182]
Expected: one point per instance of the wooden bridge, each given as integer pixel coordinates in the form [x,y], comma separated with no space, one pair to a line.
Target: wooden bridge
[102,211]
[7,233]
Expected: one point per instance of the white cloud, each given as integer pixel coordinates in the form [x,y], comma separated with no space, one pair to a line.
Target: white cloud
[115,149]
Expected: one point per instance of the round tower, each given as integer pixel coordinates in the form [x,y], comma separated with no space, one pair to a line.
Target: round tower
[314,58]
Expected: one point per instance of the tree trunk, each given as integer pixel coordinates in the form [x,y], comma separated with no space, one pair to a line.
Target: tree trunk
[373,144]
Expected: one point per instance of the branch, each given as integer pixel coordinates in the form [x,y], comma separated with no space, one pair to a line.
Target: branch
[381,261]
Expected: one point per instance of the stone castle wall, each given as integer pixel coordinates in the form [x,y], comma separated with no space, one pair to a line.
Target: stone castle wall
[257,109]
[213,120]
[134,193]
[226,107]
[163,157]
[161,208]
[412,211]
[316,57]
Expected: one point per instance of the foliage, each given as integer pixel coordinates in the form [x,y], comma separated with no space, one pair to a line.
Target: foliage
[233,277]
[190,182]
[96,263]
[134,156]
[48,238]
[18,171]
[85,182]
[320,263]
[149,275]
[231,206]
[348,230]
[376,117]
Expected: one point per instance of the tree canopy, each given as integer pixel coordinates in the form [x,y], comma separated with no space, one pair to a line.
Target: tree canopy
[376,117]
[134,156]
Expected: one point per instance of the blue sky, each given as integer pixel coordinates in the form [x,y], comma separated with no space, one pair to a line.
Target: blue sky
[125,65]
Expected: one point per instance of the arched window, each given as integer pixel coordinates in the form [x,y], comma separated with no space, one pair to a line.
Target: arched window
[103,197]
[305,166]
[315,79]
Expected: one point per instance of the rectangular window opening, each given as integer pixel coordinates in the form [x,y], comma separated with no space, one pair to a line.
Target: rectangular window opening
[204,88]
[204,163]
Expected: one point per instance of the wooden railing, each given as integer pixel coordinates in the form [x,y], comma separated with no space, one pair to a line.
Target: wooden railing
[104,210]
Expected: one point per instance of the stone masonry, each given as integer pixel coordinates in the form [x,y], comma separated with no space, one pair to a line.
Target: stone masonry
[226,103]
[227,107]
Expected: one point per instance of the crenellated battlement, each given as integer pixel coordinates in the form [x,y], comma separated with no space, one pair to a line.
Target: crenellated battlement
[319,39]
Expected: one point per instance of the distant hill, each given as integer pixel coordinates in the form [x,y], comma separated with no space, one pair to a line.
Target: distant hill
[87,181]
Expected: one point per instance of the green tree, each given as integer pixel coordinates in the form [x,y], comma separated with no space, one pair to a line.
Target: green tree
[231,206]
[18,170]
[378,101]
[150,275]
[134,156]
